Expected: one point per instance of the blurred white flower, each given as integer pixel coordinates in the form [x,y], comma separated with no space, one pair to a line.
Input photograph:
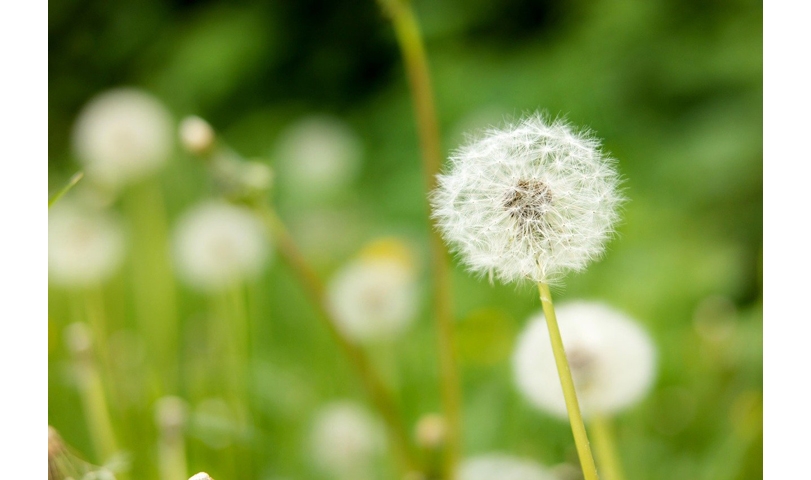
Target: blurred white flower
[196,135]
[375,296]
[317,156]
[499,466]
[612,360]
[217,244]
[531,201]
[85,247]
[122,136]
[170,415]
[345,439]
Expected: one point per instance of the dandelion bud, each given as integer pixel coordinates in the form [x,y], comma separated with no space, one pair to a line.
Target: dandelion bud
[431,431]
[256,177]
[611,358]
[501,466]
[529,202]
[122,135]
[196,135]
[217,244]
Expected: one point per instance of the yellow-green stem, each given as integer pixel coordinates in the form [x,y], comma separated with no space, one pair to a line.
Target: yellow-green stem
[94,402]
[416,64]
[602,431]
[581,439]
[153,283]
[379,394]
[172,456]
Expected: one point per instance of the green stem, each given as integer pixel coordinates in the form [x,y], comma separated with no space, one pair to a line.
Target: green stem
[411,45]
[581,440]
[71,183]
[605,447]
[153,283]
[379,394]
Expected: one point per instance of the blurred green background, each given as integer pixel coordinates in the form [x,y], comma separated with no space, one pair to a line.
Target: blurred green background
[674,88]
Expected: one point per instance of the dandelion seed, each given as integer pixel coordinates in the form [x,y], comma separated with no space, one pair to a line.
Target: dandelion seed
[611,358]
[345,439]
[317,157]
[217,244]
[375,296]
[529,202]
[122,136]
[499,466]
[85,247]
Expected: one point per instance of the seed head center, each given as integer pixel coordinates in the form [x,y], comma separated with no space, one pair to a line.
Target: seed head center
[528,201]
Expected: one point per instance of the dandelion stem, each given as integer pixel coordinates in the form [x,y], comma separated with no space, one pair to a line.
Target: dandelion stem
[581,440]
[409,38]
[605,447]
[71,183]
[380,395]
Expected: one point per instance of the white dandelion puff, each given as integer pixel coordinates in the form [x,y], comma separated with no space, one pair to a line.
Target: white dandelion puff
[531,201]
[85,247]
[345,439]
[375,297]
[217,244]
[500,466]
[317,156]
[122,136]
[612,360]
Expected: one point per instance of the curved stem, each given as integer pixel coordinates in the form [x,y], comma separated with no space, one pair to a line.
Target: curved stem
[581,440]
[416,64]
[604,445]
[380,395]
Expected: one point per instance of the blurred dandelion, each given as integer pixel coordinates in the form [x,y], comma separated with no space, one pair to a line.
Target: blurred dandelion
[64,464]
[170,418]
[122,136]
[345,440]
[375,296]
[217,245]
[85,247]
[317,156]
[529,202]
[499,466]
[611,357]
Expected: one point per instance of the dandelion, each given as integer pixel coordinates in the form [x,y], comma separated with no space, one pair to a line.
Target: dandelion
[85,247]
[201,476]
[375,296]
[318,156]
[499,466]
[122,136]
[532,201]
[217,244]
[611,357]
[170,418]
[345,439]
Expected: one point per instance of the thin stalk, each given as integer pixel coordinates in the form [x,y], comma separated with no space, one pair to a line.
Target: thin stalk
[153,284]
[380,395]
[411,45]
[605,447]
[581,439]
[71,183]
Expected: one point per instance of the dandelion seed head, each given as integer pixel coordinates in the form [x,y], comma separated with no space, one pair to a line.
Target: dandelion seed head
[500,466]
[217,244]
[531,201]
[318,156]
[345,438]
[201,476]
[431,431]
[375,297]
[612,360]
[85,246]
[122,136]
